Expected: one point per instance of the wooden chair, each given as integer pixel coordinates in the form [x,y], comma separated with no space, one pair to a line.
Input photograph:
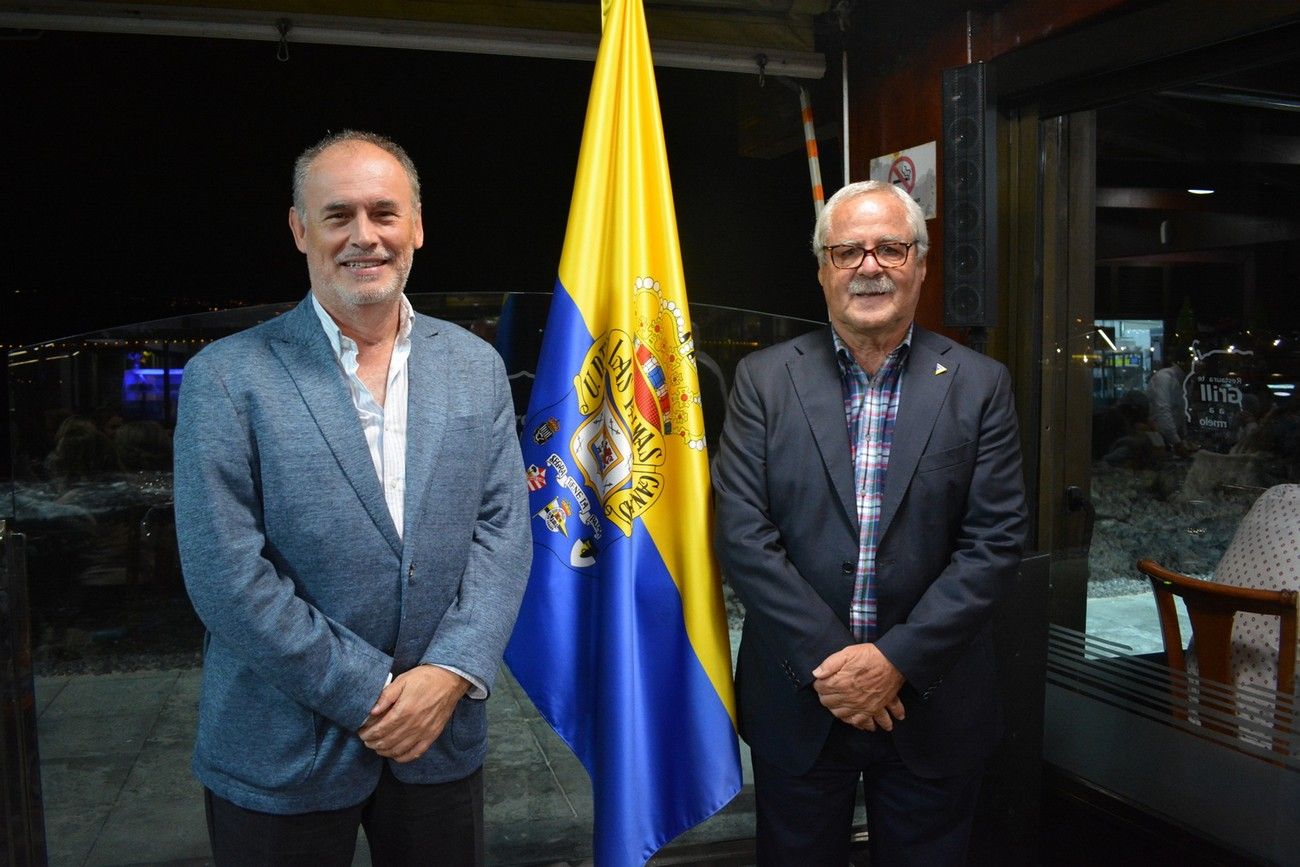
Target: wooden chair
[1211,607]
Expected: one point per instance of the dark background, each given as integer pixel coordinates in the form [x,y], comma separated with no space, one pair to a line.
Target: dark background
[149,176]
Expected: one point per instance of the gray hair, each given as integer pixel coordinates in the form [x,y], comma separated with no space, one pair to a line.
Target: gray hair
[302,165]
[915,216]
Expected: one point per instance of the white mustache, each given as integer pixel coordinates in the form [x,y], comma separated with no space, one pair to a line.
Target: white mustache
[862,285]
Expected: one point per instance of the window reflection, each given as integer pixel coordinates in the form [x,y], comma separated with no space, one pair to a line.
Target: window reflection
[1186,429]
[1183,441]
[1196,358]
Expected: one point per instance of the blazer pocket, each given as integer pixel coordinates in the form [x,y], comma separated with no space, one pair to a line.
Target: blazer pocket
[465,422]
[469,724]
[962,454]
[252,732]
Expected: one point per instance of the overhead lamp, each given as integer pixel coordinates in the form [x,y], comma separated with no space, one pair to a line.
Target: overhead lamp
[1200,191]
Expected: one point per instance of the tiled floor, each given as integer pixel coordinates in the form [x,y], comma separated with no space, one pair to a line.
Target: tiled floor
[115,755]
[115,768]
[1130,622]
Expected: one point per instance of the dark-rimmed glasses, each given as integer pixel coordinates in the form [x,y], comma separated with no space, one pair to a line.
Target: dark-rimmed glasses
[891,254]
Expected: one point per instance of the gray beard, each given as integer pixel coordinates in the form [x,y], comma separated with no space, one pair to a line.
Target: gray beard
[377,295]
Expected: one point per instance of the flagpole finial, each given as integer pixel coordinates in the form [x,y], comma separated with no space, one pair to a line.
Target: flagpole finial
[761,60]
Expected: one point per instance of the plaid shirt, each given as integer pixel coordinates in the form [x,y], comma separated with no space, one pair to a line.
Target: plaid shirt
[870,408]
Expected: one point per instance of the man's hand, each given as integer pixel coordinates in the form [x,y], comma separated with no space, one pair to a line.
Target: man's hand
[412,712]
[860,686]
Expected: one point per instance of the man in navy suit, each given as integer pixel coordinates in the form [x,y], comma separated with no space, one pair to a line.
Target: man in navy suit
[870,514]
[351,509]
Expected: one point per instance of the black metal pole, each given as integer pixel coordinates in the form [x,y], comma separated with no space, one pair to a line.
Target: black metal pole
[20,768]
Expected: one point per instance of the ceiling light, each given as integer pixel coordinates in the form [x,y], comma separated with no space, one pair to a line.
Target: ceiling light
[1200,192]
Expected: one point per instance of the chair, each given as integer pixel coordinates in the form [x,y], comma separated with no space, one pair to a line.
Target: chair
[1211,607]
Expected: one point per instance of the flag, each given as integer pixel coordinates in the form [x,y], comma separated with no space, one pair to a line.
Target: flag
[621,641]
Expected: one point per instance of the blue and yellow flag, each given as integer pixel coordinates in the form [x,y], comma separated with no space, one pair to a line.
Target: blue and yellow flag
[622,639]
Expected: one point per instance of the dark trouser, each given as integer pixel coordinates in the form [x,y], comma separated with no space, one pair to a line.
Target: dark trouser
[406,824]
[807,819]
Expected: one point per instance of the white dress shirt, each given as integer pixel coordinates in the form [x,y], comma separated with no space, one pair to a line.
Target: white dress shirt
[385,426]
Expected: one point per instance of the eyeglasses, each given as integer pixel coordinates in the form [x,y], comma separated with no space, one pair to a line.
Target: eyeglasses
[892,254]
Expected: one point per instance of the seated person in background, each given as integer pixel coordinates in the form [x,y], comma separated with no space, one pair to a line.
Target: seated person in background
[1253,435]
[143,446]
[1169,406]
[1135,442]
[86,475]
[82,453]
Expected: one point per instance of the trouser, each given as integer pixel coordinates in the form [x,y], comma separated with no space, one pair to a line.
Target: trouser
[807,819]
[406,824]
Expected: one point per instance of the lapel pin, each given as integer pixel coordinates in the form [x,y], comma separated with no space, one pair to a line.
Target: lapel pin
[939,368]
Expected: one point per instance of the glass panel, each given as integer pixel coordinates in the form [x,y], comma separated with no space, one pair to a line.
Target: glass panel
[1192,428]
[117,648]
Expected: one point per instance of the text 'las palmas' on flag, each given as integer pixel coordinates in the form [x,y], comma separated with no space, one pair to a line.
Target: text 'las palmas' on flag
[622,638]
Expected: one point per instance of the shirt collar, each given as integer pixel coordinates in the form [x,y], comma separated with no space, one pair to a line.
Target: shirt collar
[405,322]
[845,357]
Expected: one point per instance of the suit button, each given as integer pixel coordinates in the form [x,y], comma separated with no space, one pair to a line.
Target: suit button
[846,567]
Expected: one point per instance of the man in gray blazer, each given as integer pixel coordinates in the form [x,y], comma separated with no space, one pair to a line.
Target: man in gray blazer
[351,508]
[870,513]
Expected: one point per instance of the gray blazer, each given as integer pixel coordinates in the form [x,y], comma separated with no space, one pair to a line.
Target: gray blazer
[295,567]
[952,524]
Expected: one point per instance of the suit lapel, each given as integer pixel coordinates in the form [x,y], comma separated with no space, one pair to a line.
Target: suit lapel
[426,417]
[925,382]
[815,376]
[306,353]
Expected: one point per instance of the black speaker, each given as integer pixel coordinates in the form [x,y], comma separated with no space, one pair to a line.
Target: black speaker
[969,197]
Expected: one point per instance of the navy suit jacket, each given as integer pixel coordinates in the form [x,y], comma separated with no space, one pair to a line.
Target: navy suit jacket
[952,525]
[294,565]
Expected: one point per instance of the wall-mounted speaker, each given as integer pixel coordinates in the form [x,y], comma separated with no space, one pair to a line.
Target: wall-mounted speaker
[969,197]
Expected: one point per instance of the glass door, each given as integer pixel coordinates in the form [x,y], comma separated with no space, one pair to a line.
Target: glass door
[1171,432]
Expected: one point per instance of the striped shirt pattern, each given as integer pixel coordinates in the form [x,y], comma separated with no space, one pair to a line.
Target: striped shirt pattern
[384,426]
[870,408]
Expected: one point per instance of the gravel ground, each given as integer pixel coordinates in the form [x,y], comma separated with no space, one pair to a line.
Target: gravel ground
[1182,519]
